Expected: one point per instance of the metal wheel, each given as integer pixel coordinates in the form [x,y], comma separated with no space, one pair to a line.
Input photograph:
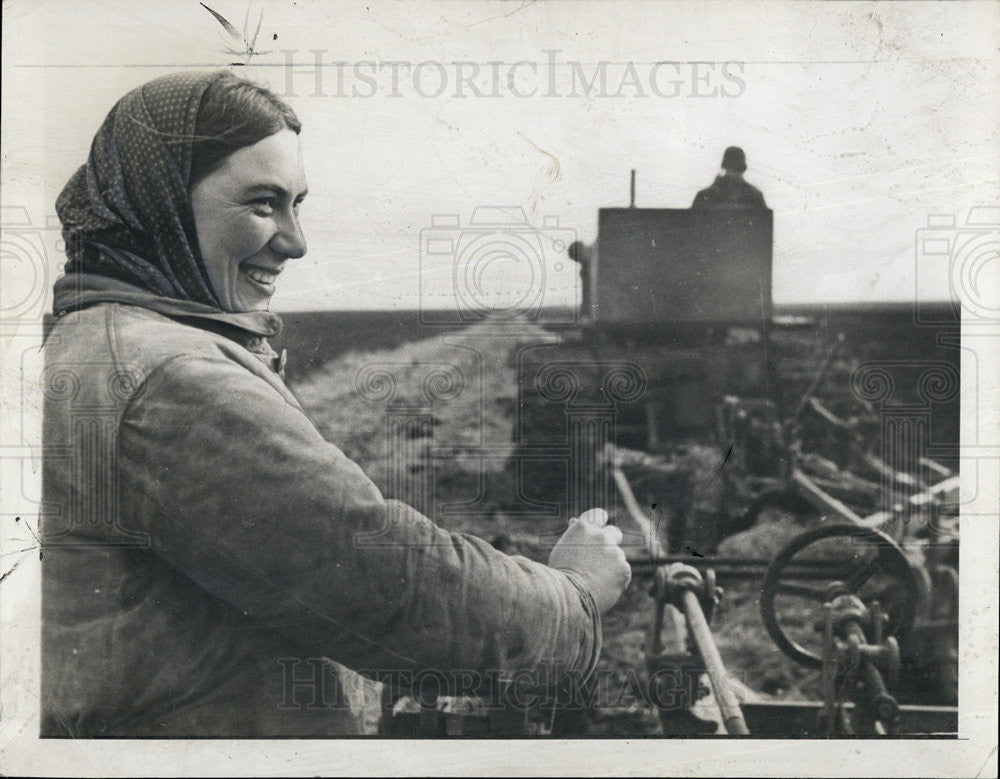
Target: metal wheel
[868,559]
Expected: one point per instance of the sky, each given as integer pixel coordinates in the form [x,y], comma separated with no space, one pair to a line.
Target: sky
[861,122]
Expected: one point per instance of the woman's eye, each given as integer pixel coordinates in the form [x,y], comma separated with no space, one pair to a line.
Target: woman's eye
[264,205]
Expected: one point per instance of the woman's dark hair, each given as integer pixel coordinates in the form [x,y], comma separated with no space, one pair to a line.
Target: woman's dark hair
[235,113]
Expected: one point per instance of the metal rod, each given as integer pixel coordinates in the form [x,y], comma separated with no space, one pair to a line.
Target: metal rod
[820,375]
[829,566]
[636,513]
[927,462]
[819,497]
[829,672]
[729,707]
[915,502]
[631,203]
[751,574]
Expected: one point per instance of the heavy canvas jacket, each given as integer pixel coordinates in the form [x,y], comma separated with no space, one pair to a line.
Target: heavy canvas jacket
[207,553]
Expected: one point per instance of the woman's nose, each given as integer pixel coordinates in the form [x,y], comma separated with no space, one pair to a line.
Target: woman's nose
[289,240]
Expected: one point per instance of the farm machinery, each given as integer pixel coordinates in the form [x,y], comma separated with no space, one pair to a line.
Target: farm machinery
[874,621]
[678,349]
[868,604]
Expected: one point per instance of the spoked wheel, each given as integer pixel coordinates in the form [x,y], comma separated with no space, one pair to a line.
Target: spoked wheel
[826,561]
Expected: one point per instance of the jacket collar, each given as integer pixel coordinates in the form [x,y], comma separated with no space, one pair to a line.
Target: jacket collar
[78,290]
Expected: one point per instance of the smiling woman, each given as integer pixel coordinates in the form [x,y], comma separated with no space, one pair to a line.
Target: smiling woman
[205,547]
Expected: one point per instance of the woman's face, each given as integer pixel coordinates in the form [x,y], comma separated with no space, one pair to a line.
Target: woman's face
[246,218]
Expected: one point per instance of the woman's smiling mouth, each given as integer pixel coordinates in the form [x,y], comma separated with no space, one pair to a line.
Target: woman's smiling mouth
[263,276]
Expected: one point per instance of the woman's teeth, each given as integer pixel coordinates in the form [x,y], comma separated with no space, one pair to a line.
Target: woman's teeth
[261,276]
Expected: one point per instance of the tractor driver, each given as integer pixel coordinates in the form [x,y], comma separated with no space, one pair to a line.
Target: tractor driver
[730,190]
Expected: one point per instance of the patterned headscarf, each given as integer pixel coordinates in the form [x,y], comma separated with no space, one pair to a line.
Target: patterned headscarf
[126,214]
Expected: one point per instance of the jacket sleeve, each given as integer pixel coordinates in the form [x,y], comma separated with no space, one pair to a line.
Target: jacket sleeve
[238,490]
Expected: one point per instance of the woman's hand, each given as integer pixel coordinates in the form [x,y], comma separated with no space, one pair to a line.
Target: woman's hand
[590,549]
